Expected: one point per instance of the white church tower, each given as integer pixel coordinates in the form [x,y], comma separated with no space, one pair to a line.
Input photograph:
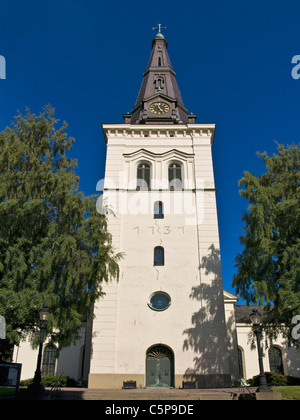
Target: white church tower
[163,322]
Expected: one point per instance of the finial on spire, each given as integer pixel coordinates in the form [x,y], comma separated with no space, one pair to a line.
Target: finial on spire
[159,35]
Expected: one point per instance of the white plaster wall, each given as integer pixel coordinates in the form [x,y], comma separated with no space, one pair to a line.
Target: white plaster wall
[68,362]
[194,325]
[25,355]
[291,357]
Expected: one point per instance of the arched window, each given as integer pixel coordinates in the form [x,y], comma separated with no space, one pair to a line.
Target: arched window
[175,176]
[241,363]
[159,83]
[158,210]
[159,256]
[143,176]
[276,362]
[49,360]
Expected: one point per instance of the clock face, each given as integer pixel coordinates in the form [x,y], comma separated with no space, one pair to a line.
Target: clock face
[159,108]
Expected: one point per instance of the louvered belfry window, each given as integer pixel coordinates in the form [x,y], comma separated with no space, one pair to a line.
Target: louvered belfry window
[175,176]
[143,176]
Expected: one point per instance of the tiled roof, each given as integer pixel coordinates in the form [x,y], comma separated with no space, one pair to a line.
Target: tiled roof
[242,312]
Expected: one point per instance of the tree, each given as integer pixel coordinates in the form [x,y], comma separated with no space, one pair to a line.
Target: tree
[54,247]
[268,269]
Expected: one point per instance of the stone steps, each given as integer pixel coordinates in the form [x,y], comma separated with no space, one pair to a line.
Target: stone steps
[152,395]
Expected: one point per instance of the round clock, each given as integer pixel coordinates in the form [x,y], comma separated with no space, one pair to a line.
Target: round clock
[159,108]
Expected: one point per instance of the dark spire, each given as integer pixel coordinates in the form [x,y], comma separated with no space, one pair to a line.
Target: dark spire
[159,100]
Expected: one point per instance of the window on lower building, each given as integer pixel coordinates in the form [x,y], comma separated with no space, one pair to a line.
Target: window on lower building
[241,363]
[49,360]
[276,362]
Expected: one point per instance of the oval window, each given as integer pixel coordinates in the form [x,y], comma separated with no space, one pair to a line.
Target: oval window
[159,301]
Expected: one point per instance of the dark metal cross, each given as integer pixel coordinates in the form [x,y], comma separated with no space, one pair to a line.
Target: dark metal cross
[159,28]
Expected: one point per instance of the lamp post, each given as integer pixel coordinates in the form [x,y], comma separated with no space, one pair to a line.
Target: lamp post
[36,388]
[255,318]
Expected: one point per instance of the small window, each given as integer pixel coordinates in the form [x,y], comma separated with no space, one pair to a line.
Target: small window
[159,61]
[159,301]
[158,210]
[143,177]
[175,176]
[159,256]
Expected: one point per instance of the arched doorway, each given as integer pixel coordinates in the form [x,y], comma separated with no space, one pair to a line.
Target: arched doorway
[159,367]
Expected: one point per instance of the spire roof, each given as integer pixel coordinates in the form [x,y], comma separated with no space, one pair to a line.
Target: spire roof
[159,85]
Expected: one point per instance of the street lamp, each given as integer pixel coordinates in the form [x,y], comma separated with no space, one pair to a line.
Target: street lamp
[44,313]
[37,389]
[256,318]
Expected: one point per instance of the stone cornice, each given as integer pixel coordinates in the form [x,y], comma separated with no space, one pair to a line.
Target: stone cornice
[159,131]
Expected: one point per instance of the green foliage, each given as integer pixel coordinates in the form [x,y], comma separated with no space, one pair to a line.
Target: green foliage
[269,266]
[273,379]
[293,381]
[54,247]
[7,392]
[51,381]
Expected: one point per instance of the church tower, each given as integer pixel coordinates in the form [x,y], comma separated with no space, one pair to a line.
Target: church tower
[163,322]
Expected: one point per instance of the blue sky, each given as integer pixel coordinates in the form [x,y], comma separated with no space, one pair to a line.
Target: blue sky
[233,64]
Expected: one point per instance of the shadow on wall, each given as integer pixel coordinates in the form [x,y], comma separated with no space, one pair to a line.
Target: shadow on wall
[207,337]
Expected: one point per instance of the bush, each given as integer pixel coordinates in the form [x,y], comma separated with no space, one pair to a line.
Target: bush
[51,381]
[293,381]
[273,379]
